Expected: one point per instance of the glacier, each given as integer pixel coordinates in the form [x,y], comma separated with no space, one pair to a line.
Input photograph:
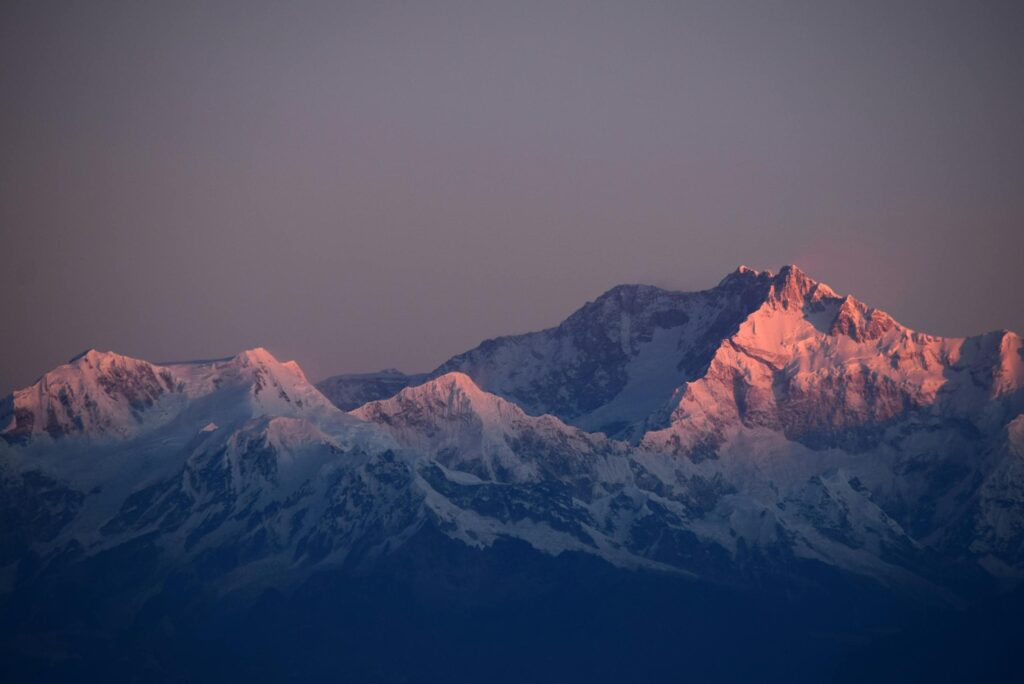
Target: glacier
[767,432]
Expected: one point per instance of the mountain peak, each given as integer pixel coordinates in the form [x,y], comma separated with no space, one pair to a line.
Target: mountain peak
[95,357]
[261,357]
[451,384]
[628,296]
[96,394]
[450,395]
[456,380]
[91,351]
[792,288]
[256,355]
[745,275]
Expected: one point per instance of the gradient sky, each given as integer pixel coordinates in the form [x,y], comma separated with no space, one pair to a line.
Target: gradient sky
[368,184]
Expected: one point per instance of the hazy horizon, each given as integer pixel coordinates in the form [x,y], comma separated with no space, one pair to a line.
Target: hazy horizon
[362,185]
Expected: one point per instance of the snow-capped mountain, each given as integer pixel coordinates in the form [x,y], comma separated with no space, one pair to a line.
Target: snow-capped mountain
[96,394]
[820,369]
[494,470]
[631,361]
[452,420]
[614,365]
[103,395]
[352,390]
[765,430]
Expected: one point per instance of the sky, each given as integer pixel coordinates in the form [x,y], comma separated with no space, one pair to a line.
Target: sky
[360,185]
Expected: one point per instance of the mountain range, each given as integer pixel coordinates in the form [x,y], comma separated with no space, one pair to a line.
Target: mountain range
[767,441]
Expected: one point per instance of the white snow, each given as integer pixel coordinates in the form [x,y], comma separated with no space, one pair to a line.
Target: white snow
[122,424]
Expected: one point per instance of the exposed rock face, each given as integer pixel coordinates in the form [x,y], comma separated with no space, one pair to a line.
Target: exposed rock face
[351,391]
[103,395]
[734,434]
[96,392]
[471,431]
[35,508]
[614,365]
[859,322]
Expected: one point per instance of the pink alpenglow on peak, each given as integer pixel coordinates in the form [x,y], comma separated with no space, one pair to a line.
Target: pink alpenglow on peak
[104,395]
[97,393]
[767,418]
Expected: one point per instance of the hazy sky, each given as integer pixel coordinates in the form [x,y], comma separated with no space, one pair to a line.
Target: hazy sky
[369,184]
